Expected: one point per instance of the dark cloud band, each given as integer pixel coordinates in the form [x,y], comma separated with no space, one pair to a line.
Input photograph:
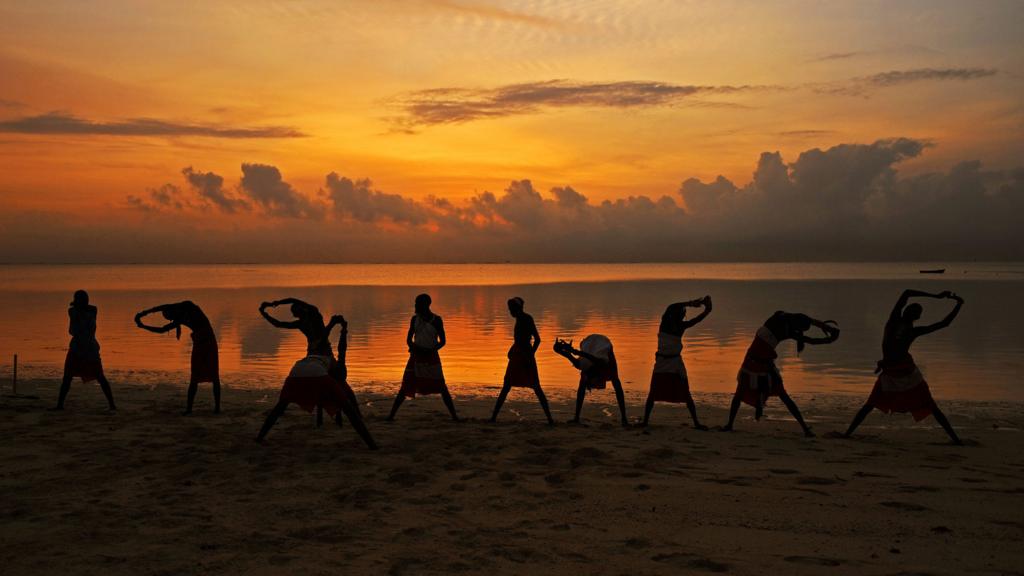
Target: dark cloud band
[57,123]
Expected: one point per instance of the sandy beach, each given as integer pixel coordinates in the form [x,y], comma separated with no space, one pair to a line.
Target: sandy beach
[146,491]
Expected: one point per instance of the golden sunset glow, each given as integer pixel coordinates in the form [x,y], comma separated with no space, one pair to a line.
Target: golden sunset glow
[105,102]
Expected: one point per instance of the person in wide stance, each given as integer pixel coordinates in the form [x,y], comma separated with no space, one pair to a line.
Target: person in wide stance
[522,360]
[759,378]
[669,382]
[595,359]
[423,374]
[205,363]
[83,359]
[900,387]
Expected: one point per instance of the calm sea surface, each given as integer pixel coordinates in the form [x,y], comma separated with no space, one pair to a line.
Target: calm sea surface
[980,356]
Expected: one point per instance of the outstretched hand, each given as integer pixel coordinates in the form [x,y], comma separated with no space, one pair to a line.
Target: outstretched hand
[340,320]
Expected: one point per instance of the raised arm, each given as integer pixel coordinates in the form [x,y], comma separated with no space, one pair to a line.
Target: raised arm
[706,303]
[897,310]
[829,327]
[157,329]
[294,325]
[922,330]
[339,320]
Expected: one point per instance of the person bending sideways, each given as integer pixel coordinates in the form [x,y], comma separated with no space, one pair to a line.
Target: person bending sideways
[900,387]
[205,364]
[759,378]
[595,359]
[669,382]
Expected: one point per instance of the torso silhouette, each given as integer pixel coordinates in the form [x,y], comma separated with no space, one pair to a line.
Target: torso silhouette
[425,332]
[82,326]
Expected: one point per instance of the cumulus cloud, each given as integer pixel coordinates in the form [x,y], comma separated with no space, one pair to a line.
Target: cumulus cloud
[358,200]
[210,187]
[846,202]
[58,123]
[264,185]
[457,105]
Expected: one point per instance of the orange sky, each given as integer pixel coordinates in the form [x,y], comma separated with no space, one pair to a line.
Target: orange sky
[649,93]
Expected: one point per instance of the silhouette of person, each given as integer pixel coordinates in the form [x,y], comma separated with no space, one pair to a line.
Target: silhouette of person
[205,364]
[669,382]
[83,358]
[423,374]
[310,322]
[318,381]
[759,378]
[522,361]
[900,387]
[595,359]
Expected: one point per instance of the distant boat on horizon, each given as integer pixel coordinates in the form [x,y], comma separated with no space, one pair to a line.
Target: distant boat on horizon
[934,271]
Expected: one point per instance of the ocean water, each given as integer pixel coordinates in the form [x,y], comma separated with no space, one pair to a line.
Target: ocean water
[980,356]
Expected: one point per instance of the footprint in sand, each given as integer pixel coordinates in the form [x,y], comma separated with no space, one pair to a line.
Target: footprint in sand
[783,471]
[818,481]
[905,506]
[691,561]
[813,560]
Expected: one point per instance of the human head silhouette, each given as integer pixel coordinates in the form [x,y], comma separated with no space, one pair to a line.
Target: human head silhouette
[912,312]
[423,302]
[298,309]
[515,306]
[81,299]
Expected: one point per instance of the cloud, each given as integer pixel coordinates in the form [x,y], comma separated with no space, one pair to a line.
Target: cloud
[358,200]
[836,56]
[846,202]
[210,187]
[58,123]
[457,105]
[896,77]
[264,185]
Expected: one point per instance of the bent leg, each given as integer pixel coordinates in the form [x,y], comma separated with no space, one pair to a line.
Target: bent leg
[501,400]
[796,413]
[105,386]
[941,418]
[734,409]
[272,417]
[859,417]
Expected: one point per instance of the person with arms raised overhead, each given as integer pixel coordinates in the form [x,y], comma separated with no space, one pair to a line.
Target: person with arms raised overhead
[522,361]
[669,382]
[900,387]
[759,378]
[83,359]
[423,374]
[205,365]
[310,322]
[595,359]
[318,381]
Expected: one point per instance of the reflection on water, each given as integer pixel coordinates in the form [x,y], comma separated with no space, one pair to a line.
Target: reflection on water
[980,356]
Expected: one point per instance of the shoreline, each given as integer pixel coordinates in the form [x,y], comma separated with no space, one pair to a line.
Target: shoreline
[148,491]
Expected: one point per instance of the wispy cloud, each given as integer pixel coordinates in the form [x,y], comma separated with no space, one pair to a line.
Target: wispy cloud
[894,77]
[59,123]
[493,12]
[456,105]
[836,56]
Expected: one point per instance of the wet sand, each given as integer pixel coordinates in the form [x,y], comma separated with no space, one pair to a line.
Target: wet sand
[146,491]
